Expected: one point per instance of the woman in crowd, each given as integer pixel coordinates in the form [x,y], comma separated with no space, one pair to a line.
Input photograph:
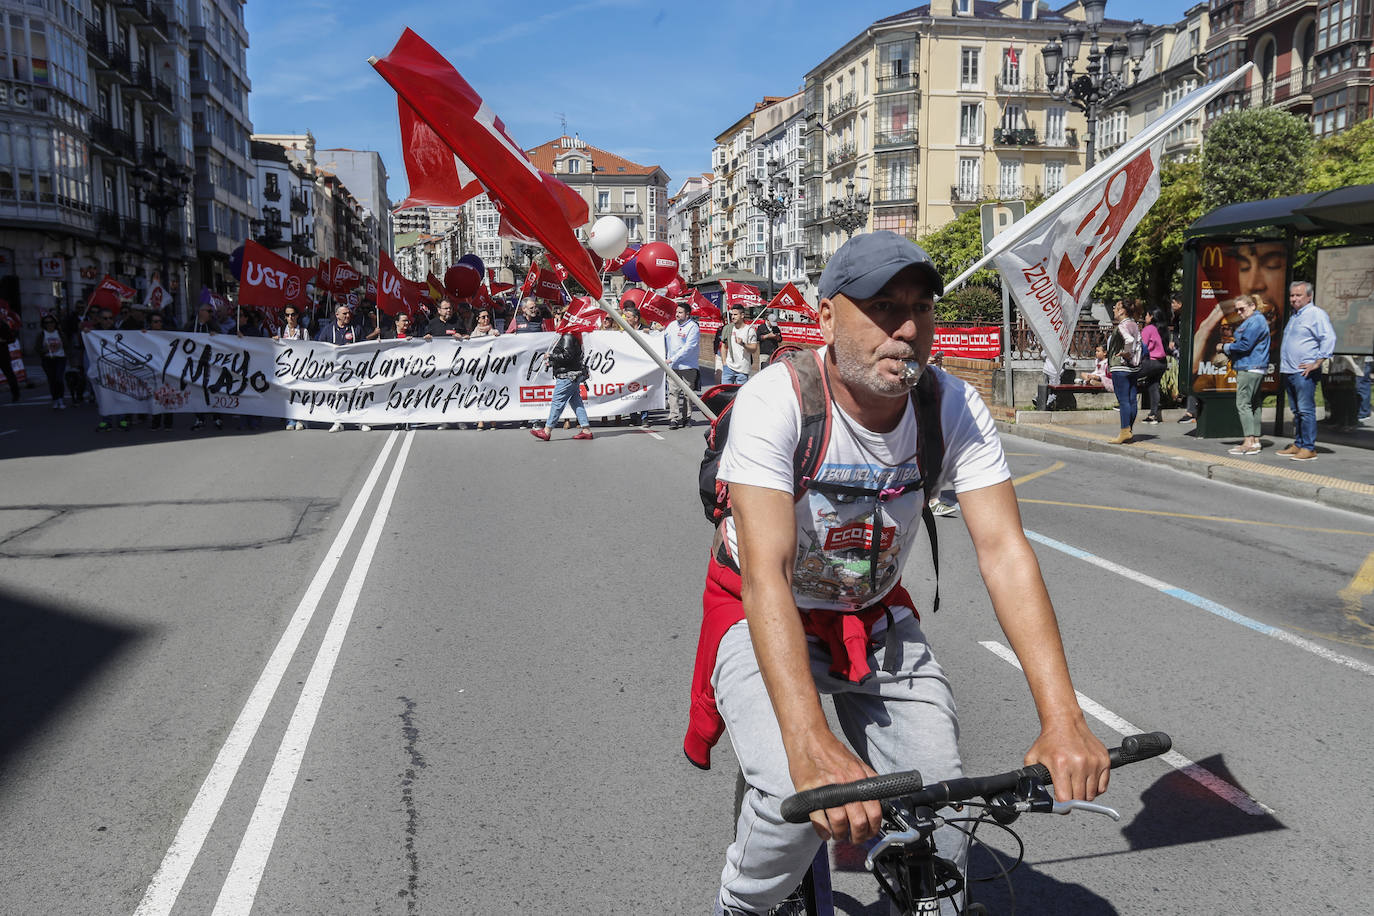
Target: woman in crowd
[1124,353]
[483,326]
[1249,355]
[1152,364]
[52,348]
[292,330]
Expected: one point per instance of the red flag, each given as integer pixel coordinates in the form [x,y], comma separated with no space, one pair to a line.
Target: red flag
[790,298]
[620,260]
[560,271]
[436,288]
[547,286]
[531,279]
[494,287]
[268,280]
[702,307]
[437,177]
[343,277]
[391,287]
[1012,56]
[110,294]
[741,294]
[534,203]
[582,315]
[506,230]
[371,292]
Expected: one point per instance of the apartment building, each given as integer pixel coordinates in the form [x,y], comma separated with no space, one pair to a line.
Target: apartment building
[220,130]
[428,240]
[364,174]
[1174,65]
[932,111]
[775,153]
[1312,58]
[730,208]
[283,192]
[689,222]
[95,151]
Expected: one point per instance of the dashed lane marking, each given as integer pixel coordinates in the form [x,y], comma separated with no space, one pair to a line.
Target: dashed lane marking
[1041,473]
[1205,518]
[1205,778]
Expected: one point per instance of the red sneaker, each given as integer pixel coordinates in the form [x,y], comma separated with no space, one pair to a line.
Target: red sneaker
[585,434]
[540,434]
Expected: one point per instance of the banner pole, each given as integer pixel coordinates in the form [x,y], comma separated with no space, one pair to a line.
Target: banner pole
[609,307]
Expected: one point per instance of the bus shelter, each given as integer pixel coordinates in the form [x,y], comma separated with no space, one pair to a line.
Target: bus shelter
[1249,248]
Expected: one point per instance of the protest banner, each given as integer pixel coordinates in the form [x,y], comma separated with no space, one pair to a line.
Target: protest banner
[494,379]
[969,343]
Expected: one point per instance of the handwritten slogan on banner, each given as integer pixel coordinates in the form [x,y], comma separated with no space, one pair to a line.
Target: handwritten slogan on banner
[384,381]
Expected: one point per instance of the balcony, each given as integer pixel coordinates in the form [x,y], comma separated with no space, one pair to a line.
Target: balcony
[116,142]
[901,82]
[140,82]
[271,237]
[162,95]
[301,248]
[107,223]
[972,194]
[844,104]
[1262,94]
[896,194]
[298,205]
[97,43]
[894,138]
[1022,85]
[840,155]
[1015,136]
[272,192]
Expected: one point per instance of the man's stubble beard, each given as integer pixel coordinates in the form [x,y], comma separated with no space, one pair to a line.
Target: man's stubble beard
[856,373]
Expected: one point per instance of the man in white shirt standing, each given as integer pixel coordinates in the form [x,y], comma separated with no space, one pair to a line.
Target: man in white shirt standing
[739,343]
[683,339]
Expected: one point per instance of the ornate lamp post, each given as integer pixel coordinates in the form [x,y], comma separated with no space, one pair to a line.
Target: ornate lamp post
[850,212]
[773,202]
[1103,77]
[165,192]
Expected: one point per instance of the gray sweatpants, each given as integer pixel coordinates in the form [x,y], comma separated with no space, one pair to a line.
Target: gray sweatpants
[900,721]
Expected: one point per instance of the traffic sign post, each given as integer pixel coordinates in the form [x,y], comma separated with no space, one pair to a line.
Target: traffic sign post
[995,217]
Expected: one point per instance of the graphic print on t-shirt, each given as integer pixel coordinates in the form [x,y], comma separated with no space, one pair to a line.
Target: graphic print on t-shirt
[834,564]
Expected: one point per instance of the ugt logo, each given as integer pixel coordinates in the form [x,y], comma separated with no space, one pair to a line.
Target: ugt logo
[262,275]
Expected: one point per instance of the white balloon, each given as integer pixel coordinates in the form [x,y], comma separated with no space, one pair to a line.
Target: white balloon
[609,236]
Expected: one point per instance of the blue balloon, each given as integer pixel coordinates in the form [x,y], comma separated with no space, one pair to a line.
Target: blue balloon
[236,262]
[475,261]
[629,271]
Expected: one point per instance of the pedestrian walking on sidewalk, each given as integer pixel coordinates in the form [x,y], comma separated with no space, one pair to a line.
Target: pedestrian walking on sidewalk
[1249,355]
[1308,340]
[1125,351]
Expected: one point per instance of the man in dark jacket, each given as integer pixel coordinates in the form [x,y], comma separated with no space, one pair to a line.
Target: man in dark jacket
[565,359]
[445,323]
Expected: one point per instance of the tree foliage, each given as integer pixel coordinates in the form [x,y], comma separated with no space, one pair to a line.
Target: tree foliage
[956,245]
[971,303]
[1254,154]
[1344,159]
[1151,261]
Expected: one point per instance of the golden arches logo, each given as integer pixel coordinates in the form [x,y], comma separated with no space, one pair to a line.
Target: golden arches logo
[1212,256]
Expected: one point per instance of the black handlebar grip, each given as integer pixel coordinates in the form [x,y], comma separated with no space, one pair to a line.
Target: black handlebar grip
[1135,748]
[797,809]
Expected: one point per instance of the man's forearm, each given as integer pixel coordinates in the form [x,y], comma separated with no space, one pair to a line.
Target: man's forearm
[784,660]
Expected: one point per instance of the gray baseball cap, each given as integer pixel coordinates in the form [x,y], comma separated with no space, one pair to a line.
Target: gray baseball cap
[865,263]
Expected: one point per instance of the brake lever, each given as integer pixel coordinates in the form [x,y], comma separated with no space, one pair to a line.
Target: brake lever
[1090,807]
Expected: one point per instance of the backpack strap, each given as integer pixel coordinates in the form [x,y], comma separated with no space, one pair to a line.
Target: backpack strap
[931,457]
[812,389]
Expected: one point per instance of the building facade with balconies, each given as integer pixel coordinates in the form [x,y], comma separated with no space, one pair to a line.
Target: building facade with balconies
[364,174]
[95,151]
[1312,58]
[284,199]
[775,154]
[934,110]
[221,130]
[689,225]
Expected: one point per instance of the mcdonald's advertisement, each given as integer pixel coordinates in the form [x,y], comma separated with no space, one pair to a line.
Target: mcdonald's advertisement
[1227,268]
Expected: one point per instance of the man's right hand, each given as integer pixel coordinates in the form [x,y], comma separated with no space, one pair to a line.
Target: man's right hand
[826,761]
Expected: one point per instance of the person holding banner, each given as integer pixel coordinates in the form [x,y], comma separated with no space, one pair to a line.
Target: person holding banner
[342,332]
[683,338]
[1125,351]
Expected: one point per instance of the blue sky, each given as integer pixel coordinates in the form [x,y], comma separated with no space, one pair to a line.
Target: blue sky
[652,82]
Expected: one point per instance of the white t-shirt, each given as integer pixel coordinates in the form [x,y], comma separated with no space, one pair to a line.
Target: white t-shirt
[835,532]
[736,357]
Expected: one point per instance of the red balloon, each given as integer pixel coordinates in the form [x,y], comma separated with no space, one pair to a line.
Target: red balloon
[656,264]
[462,280]
[632,296]
[676,289]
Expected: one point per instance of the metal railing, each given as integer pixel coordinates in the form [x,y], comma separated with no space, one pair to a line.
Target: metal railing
[898,194]
[1068,139]
[1015,136]
[840,155]
[841,105]
[1023,84]
[968,193]
[905,137]
[898,82]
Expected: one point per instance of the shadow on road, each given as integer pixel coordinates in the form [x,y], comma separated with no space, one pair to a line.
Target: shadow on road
[1178,809]
[46,656]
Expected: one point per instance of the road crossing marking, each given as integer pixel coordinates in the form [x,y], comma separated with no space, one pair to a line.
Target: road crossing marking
[170,876]
[1205,604]
[1034,474]
[241,886]
[1203,777]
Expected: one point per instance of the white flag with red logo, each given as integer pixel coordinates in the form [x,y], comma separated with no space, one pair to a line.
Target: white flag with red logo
[1051,259]
[790,298]
[740,294]
[158,297]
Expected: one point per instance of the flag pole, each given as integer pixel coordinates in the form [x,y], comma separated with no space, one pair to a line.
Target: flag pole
[609,307]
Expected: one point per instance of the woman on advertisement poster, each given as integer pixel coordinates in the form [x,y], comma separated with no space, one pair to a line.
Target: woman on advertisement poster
[1225,271]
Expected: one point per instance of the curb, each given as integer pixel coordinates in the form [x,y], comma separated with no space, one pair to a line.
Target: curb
[1327,491]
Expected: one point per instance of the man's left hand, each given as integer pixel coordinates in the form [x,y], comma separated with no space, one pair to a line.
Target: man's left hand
[1077,760]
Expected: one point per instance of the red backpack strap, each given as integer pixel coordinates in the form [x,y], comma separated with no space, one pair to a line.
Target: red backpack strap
[812,389]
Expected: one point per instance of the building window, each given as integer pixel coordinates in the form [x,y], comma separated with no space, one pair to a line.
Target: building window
[970,178]
[971,123]
[1028,8]
[1011,68]
[1013,117]
[970,68]
[1331,113]
[603,201]
[574,166]
[965,7]
[1054,127]
[1009,178]
[1054,177]
[1335,23]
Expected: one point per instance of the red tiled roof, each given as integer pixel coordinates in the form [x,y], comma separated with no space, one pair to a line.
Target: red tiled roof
[543,156]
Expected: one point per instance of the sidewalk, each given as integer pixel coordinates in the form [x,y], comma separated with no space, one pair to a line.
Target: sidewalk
[1342,476]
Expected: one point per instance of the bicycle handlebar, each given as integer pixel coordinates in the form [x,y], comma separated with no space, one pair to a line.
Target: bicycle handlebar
[797,809]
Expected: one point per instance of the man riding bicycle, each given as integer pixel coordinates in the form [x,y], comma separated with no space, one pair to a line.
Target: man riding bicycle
[804,597]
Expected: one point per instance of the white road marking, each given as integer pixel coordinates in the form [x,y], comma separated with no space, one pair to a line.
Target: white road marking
[1205,778]
[241,886]
[6,432]
[652,433]
[1205,604]
[170,876]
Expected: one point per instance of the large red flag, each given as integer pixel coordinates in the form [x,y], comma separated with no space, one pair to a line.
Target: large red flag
[741,294]
[391,287]
[437,177]
[702,307]
[790,298]
[531,279]
[268,280]
[547,286]
[341,277]
[534,202]
[110,294]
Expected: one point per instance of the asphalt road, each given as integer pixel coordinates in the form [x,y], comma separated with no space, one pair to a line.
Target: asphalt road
[446,672]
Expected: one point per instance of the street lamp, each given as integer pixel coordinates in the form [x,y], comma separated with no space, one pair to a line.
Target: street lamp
[163,194]
[773,202]
[1103,77]
[849,212]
